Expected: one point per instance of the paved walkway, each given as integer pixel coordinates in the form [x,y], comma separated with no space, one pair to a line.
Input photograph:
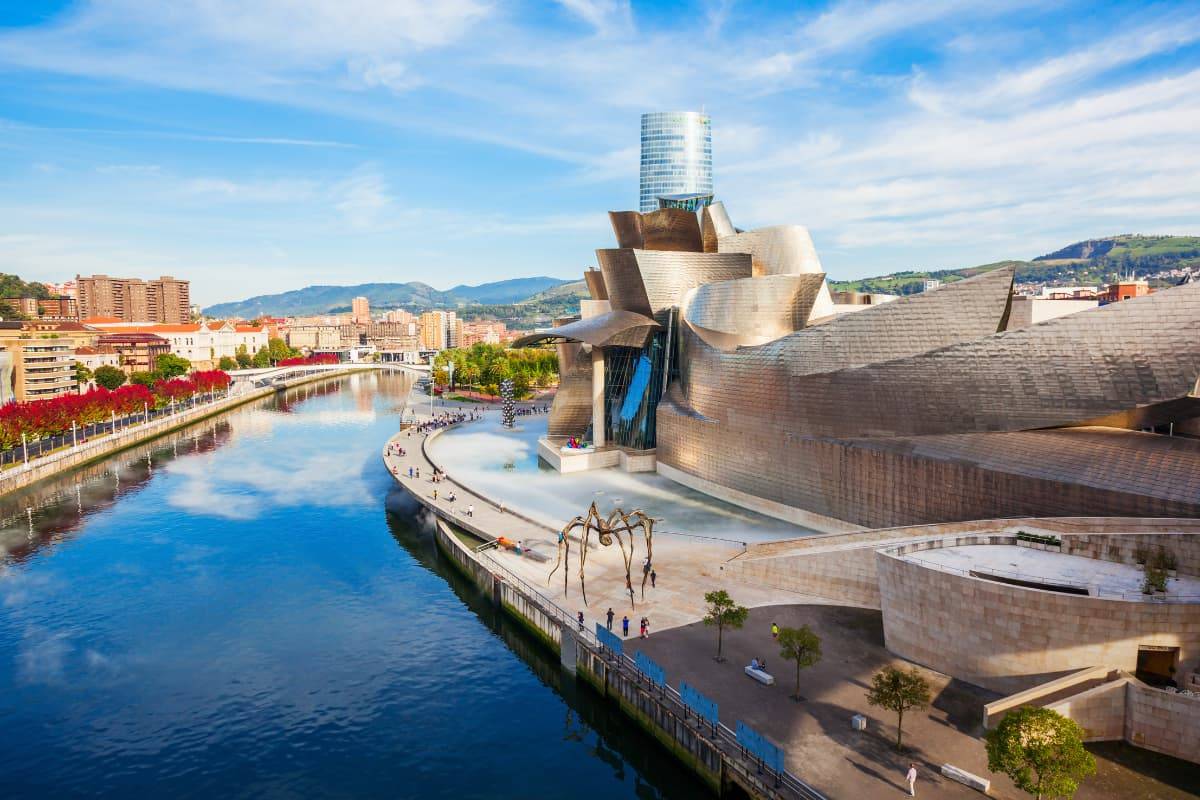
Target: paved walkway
[686,567]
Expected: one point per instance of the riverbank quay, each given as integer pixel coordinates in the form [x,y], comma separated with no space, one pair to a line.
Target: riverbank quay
[712,751]
[124,437]
[512,583]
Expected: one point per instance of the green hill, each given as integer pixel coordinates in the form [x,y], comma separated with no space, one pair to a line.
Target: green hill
[1086,263]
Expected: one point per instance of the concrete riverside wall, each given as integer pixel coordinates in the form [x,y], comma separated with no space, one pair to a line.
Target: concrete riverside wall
[685,739]
[656,712]
[103,446]
[1008,638]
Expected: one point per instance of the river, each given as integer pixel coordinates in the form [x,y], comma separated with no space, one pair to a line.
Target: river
[251,607]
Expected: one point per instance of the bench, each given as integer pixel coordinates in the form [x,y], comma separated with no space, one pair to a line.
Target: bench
[966,778]
[760,676]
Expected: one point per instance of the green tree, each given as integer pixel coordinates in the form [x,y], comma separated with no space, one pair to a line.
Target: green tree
[723,612]
[279,349]
[244,359]
[169,365]
[802,646]
[227,363]
[898,690]
[146,379]
[262,359]
[1041,750]
[82,373]
[108,376]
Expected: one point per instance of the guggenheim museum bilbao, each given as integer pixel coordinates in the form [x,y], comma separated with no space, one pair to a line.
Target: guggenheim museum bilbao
[718,358]
[999,492]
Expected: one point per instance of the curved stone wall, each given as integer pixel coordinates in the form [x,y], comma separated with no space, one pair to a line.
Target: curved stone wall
[1008,638]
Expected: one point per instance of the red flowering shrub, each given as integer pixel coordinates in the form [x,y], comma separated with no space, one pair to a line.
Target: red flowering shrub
[320,358]
[177,389]
[39,418]
[210,380]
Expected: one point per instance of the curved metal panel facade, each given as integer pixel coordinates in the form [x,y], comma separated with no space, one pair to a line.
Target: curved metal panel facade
[610,329]
[571,411]
[871,443]
[627,227]
[778,250]
[671,229]
[752,311]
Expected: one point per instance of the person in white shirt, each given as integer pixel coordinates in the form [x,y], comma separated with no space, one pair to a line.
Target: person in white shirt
[911,777]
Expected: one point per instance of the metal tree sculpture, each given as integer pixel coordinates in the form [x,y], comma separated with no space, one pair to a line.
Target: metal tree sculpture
[618,525]
[508,414]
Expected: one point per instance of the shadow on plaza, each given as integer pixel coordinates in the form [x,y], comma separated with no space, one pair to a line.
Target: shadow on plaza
[618,743]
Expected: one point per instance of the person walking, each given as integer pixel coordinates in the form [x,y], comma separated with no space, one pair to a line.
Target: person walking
[625,626]
[645,627]
[911,777]
[610,616]
[653,579]
[470,509]
[435,494]
[581,620]
[774,630]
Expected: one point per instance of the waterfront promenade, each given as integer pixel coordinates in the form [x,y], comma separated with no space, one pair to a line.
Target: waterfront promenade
[816,734]
[687,567]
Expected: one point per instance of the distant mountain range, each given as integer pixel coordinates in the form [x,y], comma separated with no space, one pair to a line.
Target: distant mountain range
[413,295]
[1159,259]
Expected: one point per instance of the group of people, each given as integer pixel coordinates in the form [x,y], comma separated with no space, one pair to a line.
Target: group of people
[444,420]
[394,449]
[643,624]
[758,664]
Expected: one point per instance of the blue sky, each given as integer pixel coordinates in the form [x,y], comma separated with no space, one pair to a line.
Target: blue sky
[260,146]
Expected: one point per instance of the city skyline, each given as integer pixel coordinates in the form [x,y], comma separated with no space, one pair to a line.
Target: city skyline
[475,141]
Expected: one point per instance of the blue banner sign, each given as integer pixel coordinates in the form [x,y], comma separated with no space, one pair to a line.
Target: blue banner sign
[609,639]
[759,746]
[701,705]
[648,668]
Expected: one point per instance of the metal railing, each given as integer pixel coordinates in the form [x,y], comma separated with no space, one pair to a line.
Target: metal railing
[725,737]
[48,445]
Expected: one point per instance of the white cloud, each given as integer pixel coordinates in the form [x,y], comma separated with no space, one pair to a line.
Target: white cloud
[607,17]
[362,199]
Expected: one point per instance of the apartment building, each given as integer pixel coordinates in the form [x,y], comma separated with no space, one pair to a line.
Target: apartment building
[164,300]
[37,359]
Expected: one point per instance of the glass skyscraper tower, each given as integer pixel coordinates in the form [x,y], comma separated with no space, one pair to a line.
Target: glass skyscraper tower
[676,156]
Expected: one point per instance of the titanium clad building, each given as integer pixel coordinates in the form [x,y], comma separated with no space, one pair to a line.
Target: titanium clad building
[676,156]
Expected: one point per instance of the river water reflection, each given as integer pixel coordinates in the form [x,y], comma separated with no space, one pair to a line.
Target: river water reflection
[250,608]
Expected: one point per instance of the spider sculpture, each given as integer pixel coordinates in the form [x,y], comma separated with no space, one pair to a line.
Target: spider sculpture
[618,525]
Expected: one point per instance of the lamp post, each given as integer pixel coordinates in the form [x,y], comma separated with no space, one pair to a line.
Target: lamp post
[74,436]
[432,382]
[450,375]
[145,412]
[25,448]
[113,415]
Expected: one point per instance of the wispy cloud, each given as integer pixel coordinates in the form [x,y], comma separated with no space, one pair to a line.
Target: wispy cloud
[481,139]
